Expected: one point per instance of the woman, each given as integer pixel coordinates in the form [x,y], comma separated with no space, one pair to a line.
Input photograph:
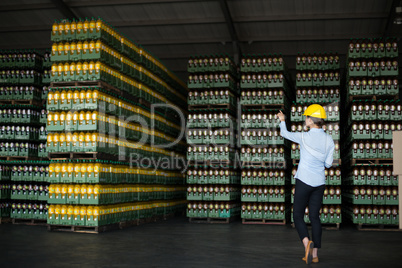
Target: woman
[316,153]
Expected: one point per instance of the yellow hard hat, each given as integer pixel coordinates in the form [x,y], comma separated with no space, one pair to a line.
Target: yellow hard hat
[315,110]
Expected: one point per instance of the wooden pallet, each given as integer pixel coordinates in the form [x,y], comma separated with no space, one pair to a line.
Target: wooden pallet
[81,155]
[326,226]
[334,163]
[378,227]
[90,229]
[373,97]
[375,161]
[264,221]
[5,220]
[222,163]
[22,158]
[21,102]
[211,106]
[263,107]
[253,164]
[34,222]
[211,220]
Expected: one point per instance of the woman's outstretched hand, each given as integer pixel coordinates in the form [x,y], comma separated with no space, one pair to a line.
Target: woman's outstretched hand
[281,116]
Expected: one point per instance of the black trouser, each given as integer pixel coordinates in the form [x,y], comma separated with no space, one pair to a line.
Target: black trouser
[311,196]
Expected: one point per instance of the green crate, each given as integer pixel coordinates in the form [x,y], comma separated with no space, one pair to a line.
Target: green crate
[308,82]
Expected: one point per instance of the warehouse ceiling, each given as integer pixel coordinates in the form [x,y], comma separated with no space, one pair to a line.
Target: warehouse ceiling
[174,30]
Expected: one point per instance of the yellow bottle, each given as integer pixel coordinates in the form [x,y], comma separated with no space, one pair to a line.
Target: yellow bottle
[69,138]
[49,140]
[74,145]
[88,97]
[80,26]
[81,122]
[63,170]
[94,140]
[69,96]
[83,171]
[85,67]
[98,46]
[76,97]
[57,191]
[85,47]
[77,212]
[92,118]
[56,98]
[91,67]
[66,68]
[84,192]
[60,49]
[73,50]
[50,214]
[67,28]
[69,120]
[96,191]
[55,28]
[62,142]
[96,213]
[88,141]
[90,191]
[77,190]
[78,69]
[91,47]
[86,26]
[70,212]
[64,190]
[92,25]
[82,99]
[90,170]
[70,170]
[56,140]
[62,119]
[70,190]
[72,70]
[51,189]
[99,25]
[81,140]
[62,97]
[79,47]
[83,212]
[89,214]
[61,28]
[66,48]
[60,68]
[73,27]
[54,71]
[55,49]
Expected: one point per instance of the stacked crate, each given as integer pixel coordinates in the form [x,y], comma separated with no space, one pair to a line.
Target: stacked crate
[105,137]
[372,113]
[318,81]
[265,154]
[212,177]
[23,136]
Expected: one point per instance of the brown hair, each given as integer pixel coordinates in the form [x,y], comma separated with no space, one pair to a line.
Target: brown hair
[317,121]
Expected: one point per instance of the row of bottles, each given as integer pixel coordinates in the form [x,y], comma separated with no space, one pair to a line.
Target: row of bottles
[369,48]
[24,172]
[22,114]
[16,132]
[372,175]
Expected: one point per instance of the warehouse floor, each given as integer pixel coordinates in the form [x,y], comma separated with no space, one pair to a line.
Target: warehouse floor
[176,243]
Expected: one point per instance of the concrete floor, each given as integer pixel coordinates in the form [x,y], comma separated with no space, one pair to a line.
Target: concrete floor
[176,243]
